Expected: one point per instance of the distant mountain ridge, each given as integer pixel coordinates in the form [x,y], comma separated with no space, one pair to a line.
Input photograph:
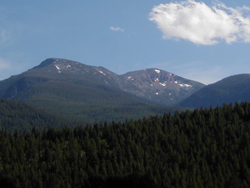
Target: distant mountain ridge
[94,93]
[89,93]
[151,84]
[228,90]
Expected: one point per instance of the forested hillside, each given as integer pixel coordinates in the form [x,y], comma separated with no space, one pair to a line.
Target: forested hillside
[15,115]
[202,148]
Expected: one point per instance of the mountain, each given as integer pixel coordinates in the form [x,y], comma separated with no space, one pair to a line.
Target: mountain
[161,86]
[79,91]
[152,84]
[228,90]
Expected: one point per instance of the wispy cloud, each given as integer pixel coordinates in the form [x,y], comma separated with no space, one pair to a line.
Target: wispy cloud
[5,38]
[116,29]
[202,24]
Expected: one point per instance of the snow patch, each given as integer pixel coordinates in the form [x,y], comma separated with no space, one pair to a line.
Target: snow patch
[170,74]
[157,71]
[68,66]
[102,73]
[157,80]
[157,93]
[130,78]
[57,67]
[169,93]
[175,82]
[163,84]
[185,85]
[151,84]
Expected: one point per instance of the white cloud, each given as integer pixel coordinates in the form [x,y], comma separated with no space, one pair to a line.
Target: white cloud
[201,24]
[116,29]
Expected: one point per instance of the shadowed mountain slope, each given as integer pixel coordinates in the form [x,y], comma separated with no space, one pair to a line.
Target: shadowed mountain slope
[229,90]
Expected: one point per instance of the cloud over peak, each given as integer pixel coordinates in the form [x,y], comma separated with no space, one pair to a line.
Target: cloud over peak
[201,24]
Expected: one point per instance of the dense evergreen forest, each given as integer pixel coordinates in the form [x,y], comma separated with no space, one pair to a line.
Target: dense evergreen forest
[15,115]
[201,148]
[24,116]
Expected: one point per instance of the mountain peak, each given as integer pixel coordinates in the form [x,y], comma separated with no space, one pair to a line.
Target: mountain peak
[46,62]
[60,65]
[161,86]
[50,61]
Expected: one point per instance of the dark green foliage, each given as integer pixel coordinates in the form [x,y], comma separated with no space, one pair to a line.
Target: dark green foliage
[200,148]
[15,115]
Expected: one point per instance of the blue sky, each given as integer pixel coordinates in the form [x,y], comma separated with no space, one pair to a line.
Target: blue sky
[199,40]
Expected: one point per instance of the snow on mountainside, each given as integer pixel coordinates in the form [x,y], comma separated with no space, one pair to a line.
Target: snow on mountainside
[152,84]
[161,86]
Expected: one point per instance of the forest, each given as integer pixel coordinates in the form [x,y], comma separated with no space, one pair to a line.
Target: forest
[196,148]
